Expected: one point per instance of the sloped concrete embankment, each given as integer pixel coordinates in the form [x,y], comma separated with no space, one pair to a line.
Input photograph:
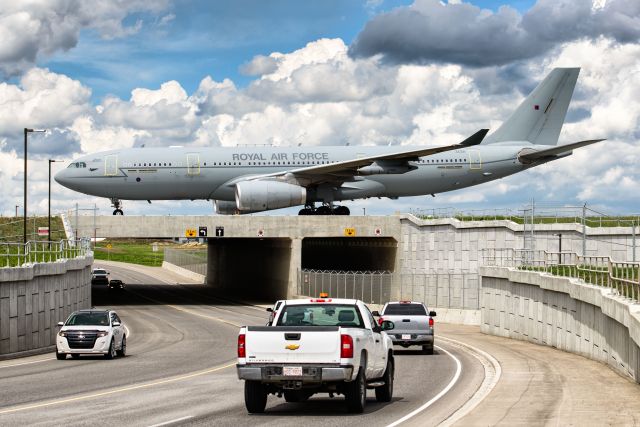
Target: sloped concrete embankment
[563,313]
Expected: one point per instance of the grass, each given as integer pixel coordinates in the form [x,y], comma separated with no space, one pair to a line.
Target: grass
[591,221]
[12,229]
[130,251]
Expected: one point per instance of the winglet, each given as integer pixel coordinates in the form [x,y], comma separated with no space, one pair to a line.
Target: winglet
[476,138]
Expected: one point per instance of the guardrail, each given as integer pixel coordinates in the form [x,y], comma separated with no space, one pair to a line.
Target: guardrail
[624,277]
[18,254]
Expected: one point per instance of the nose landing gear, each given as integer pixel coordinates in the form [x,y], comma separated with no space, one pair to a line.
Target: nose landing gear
[117,204]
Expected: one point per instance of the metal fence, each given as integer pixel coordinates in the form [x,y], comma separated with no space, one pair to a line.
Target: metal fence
[369,286]
[444,290]
[623,277]
[191,259]
[18,254]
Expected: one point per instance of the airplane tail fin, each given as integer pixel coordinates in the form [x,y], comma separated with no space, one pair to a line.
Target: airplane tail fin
[539,118]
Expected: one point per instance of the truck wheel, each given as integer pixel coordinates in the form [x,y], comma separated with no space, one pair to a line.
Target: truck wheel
[426,349]
[385,393]
[255,397]
[356,395]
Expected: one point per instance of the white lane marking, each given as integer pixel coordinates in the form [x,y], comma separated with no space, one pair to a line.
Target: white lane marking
[116,391]
[438,396]
[177,420]
[27,363]
[492,374]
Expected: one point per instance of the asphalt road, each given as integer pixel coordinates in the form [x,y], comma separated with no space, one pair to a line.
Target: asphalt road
[180,369]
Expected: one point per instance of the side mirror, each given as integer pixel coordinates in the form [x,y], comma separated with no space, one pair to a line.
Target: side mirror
[270,310]
[432,313]
[387,325]
[375,313]
[116,324]
[60,323]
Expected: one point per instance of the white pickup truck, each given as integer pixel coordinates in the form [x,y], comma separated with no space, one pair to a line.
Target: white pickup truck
[313,346]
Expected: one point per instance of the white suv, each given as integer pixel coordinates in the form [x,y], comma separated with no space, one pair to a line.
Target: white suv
[91,332]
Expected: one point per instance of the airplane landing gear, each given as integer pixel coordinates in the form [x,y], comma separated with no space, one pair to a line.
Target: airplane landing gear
[116,203]
[325,209]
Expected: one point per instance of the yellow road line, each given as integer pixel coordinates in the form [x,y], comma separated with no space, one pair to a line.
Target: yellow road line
[115,391]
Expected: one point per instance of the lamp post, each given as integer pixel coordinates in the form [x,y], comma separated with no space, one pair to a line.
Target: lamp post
[49,216]
[24,230]
[17,206]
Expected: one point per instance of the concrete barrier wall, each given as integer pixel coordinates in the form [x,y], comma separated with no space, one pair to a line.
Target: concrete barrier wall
[562,313]
[34,299]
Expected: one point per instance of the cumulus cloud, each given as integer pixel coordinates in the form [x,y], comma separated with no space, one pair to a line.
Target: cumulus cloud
[432,31]
[30,29]
[259,65]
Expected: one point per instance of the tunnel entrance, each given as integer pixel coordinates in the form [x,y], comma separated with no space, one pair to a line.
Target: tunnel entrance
[349,253]
[254,270]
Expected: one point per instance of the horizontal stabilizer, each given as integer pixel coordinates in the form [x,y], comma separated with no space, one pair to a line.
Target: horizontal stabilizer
[529,155]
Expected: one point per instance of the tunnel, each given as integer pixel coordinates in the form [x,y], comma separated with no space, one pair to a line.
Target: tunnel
[251,269]
[349,253]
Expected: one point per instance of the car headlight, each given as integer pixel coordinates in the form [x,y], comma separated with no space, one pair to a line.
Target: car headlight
[103,333]
[62,333]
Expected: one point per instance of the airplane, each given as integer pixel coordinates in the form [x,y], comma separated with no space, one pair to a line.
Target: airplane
[243,180]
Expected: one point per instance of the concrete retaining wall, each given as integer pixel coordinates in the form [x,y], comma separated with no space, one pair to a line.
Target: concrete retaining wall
[562,313]
[34,299]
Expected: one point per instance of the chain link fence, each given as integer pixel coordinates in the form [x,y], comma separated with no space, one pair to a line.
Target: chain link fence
[190,259]
[443,290]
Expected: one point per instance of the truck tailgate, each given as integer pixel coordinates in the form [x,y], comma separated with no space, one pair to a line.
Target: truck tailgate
[293,344]
[404,323]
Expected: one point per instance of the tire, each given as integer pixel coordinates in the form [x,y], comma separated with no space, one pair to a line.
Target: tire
[385,393]
[123,347]
[341,210]
[118,212]
[60,356]
[426,349]
[255,397]
[75,356]
[356,395]
[324,210]
[112,351]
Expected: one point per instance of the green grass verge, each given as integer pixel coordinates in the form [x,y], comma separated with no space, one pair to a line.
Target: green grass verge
[130,251]
[12,229]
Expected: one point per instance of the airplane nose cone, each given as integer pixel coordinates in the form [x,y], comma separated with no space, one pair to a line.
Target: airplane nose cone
[61,178]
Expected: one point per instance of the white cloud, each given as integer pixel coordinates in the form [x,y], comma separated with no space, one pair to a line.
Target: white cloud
[30,29]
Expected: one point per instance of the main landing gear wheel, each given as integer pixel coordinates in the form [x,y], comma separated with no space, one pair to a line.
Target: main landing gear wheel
[324,210]
[341,210]
[116,203]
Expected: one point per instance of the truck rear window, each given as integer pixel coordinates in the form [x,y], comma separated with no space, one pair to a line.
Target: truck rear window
[405,310]
[320,315]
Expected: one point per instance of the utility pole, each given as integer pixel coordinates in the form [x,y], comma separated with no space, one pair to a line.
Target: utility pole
[24,229]
[584,230]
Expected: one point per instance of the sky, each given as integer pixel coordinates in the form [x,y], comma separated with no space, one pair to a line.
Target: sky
[107,74]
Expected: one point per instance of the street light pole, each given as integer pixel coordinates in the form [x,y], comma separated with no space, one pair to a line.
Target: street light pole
[17,206]
[24,230]
[49,216]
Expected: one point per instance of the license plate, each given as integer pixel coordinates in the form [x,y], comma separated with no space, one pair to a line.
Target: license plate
[406,336]
[292,371]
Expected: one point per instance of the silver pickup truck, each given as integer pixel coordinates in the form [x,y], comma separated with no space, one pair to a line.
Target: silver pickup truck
[414,324]
[321,345]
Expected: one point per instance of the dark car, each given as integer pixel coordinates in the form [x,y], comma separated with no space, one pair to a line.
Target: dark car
[116,284]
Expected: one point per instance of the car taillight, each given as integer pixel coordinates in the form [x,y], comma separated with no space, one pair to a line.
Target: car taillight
[431,321]
[346,346]
[242,349]
[380,320]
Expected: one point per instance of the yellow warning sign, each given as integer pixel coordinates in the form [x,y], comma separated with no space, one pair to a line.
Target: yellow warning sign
[191,232]
[109,246]
[349,232]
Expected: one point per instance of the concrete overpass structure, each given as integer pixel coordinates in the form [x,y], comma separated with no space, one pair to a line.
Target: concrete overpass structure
[270,250]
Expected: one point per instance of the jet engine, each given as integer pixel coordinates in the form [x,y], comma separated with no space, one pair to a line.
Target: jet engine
[266,195]
[225,207]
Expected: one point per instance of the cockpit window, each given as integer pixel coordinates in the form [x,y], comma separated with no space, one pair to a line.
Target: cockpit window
[76,165]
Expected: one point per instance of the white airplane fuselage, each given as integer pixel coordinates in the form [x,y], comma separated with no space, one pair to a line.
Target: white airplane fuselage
[179,173]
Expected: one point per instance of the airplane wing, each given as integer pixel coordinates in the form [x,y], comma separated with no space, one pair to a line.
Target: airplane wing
[529,155]
[346,169]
